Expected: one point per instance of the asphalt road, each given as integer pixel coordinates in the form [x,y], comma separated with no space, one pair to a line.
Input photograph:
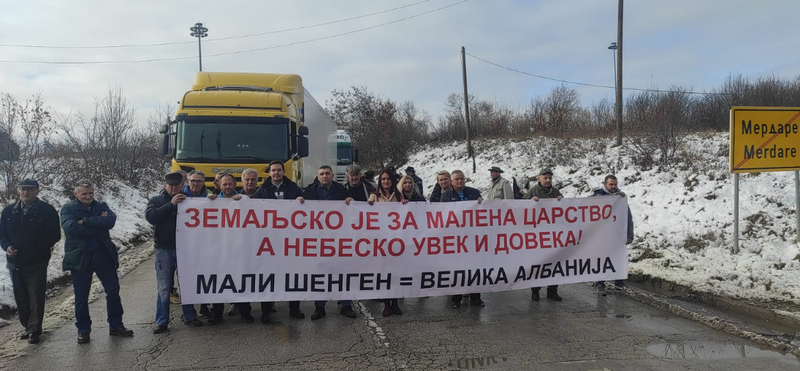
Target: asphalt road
[587,331]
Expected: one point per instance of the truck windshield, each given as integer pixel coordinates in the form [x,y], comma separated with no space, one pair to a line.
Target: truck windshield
[233,141]
[344,155]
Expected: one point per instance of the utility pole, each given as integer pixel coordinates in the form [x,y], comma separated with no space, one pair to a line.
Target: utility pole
[199,32]
[619,76]
[470,153]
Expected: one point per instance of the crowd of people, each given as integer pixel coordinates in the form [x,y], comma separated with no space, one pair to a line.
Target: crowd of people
[29,229]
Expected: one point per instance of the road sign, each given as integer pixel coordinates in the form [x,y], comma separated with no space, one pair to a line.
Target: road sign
[765,139]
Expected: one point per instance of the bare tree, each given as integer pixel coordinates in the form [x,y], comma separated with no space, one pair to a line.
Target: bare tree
[26,129]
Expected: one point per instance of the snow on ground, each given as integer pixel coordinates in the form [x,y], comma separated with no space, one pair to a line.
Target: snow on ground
[129,205]
[683,216]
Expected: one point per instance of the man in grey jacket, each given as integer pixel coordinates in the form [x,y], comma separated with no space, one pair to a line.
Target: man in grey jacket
[501,188]
[544,189]
[611,188]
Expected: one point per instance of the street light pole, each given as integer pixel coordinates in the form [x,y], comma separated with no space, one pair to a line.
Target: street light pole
[199,32]
[619,73]
[613,48]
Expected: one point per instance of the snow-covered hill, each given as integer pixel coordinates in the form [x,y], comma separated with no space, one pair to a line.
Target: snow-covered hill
[683,216]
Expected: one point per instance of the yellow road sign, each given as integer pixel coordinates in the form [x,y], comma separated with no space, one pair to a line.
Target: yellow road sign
[765,139]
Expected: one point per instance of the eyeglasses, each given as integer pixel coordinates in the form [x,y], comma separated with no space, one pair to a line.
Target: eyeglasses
[195,181]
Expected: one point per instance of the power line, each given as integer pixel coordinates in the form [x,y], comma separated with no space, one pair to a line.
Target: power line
[216,39]
[588,84]
[238,51]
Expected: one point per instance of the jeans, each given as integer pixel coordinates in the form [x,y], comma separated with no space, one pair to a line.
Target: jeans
[166,265]
[101,265]
[321,303]
[29,284]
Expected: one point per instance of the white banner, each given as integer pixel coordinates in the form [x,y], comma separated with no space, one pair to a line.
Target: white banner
[280,250]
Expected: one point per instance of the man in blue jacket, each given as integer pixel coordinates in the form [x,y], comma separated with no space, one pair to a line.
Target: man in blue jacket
[460,192]
[162,213]
[327,189]
[28,231]
[88,250]
[611,188]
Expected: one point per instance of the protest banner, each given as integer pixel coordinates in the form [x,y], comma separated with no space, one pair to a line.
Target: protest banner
[278,250]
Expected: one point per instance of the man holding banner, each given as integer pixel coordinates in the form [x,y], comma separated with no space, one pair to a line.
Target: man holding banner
[162,213]
[544,189]
[328,190]
[460,192]
[276,187]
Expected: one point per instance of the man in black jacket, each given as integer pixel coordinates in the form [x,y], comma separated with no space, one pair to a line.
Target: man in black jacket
[327,189]
[162,213]
[460,192]
[88,250]
[28,231]
[275,187]
[357,188]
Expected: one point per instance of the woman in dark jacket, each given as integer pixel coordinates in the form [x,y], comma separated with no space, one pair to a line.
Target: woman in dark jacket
[409,190]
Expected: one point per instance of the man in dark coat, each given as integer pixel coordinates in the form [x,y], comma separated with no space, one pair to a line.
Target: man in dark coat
[162,213]
[460,192]
[417,180]
[275,187]
[327,189]
[28,231]
[544,189]
[88,250]
[357,188]
[610,188]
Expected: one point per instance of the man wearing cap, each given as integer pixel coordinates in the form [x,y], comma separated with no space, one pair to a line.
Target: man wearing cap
[28,230]
[89,251]
[162,213]
[357,188]
[501,188]
[417,180]
[544,189]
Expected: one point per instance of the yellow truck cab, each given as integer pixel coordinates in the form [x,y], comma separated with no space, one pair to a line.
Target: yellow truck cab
[229,122]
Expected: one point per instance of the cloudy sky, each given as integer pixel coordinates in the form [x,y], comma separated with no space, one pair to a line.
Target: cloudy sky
[408,53]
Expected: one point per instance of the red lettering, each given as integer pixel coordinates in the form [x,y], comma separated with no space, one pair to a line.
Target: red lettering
[309,245]
[266,246]
[230,218]
[358,247]
[294,219]
[251,218]
[194,213]
[208,217]
[344,249]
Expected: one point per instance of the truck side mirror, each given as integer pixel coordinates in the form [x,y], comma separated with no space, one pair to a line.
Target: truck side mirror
[163,146]
[355,154]
[302,148]
[163,129]
[303,130]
